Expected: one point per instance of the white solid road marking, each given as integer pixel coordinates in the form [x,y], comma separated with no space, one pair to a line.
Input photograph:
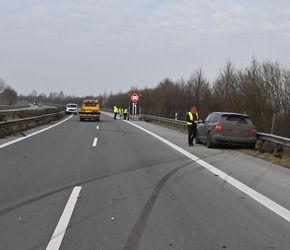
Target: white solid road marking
[97,127]
[95,142]
[60,229]
[275,207]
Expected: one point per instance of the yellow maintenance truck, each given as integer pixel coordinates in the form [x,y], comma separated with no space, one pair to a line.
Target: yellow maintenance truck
[90,110]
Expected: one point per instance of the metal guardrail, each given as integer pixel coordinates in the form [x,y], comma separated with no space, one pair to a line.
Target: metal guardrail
[274,138]
[6,108]
[28,119]
[180,125]
[17,125]
[278,140]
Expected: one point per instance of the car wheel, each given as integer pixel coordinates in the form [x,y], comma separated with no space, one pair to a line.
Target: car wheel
[209,142]
[197,140]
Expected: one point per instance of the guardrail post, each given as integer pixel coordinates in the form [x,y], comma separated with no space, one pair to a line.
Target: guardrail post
[261,145]
[273,123]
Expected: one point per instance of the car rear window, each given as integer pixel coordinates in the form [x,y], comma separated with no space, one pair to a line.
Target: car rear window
[237,119]
[214,118]
[90,104]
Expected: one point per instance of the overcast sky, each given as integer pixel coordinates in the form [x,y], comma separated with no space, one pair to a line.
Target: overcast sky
[89,47]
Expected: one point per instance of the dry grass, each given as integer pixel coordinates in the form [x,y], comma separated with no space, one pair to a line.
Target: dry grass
[281,158]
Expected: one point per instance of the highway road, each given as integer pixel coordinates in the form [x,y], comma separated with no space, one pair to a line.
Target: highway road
[119,184]
[29,107]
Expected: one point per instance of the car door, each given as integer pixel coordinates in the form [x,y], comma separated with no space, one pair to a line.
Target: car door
[202,128]
[212,122]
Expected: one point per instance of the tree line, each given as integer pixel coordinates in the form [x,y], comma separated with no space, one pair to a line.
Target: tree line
[261,90]
[8,96]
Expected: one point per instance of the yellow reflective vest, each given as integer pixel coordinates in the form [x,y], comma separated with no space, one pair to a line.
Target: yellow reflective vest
[191,117]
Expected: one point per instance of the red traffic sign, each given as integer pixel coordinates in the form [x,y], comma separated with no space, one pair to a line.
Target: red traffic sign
[135,98]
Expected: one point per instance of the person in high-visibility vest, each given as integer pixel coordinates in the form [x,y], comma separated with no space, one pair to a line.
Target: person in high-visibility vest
[121,112]
[116,110]
[192,119]
[125,113]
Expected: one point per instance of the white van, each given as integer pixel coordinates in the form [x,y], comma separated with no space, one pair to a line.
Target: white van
[71,108]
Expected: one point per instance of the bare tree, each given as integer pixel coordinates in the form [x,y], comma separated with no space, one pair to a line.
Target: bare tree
[287,90]
[33,93]
[275,82]
[166,98]
[2,85]
[198,93]
[9,96]
[226,89]
[255,98]
[148,101]
[196,88]
[277,88]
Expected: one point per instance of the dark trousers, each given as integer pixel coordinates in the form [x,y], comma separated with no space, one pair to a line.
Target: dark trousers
[191,133]
[115,115]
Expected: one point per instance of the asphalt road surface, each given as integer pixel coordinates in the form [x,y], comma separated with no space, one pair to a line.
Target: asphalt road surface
[116,184]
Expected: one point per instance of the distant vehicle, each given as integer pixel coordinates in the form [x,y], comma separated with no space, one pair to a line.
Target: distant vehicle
[224,128]
[90,110]
[35,102]
[71,108]
[39,104]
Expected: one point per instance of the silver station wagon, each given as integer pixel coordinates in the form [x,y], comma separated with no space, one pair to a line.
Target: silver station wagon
[224,128]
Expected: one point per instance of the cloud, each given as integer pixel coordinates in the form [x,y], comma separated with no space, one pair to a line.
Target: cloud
[118,44]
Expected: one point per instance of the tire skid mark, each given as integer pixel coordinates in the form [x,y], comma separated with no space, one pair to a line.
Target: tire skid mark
[140,225]
[26,200]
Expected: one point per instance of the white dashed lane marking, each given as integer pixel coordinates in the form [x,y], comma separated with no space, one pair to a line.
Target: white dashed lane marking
[60,229]
[95,142]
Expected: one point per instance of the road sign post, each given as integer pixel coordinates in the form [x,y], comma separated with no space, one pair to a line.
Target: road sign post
[134,107]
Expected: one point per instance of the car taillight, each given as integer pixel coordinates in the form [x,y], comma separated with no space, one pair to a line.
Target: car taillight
[254,131]
[218,127]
